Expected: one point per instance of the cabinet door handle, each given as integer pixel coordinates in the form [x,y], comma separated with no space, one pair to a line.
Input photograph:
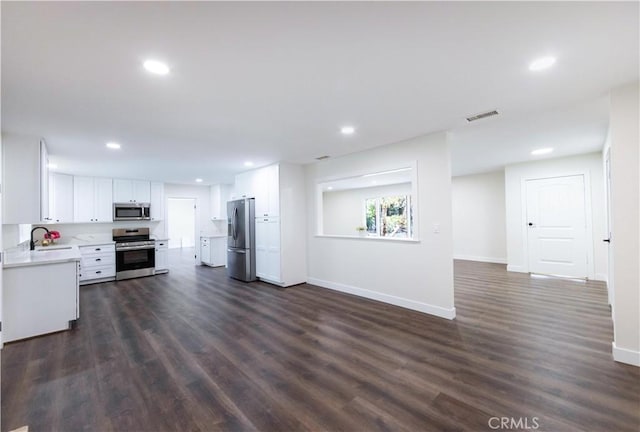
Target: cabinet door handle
[99,271]
[98,249]
[98,259]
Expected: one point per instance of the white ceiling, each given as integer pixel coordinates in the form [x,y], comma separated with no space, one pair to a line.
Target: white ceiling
[275,81]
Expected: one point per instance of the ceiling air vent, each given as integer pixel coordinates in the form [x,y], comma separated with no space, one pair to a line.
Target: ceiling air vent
[481,116]
[322,158]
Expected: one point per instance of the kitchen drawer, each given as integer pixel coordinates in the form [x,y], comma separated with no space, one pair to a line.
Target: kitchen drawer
[108,248]
[97,272]
[98,260]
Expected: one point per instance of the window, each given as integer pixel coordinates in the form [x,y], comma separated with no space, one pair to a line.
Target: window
[389,216]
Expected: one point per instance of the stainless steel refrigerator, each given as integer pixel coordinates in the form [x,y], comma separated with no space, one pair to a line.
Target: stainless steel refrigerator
[241,239]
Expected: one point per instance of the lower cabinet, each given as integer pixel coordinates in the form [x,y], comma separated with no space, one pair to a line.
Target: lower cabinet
[39,299]
[213,251]
[97,263]
[268,250]
[162,256]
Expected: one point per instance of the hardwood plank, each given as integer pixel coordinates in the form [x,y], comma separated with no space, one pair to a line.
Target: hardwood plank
[194,350]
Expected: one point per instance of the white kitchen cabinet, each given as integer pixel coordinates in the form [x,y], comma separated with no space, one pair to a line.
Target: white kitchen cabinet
[39,299]
[162,256]
[97,263]
[157,201]
[220,194]
[268,249]
[244,184]
[92,199]
[213,251]
[61,198]
[131,191]
[25,179]
[281,225]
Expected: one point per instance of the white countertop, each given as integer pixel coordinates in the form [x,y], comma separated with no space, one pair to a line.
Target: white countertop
[42,256]
[213,236]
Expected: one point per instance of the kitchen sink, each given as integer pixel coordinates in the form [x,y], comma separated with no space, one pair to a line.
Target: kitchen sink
[53,248]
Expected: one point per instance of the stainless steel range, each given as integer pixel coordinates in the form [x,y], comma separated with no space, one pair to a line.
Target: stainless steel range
[135,253]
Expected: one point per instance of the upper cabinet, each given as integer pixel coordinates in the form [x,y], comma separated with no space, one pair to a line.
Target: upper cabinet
[25,179]
[92,200]
[131,191]
[263,184]
[156,201]
[220,194]
[61,198]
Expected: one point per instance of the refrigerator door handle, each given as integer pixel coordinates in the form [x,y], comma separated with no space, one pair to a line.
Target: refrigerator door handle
[235,223]
[237,251]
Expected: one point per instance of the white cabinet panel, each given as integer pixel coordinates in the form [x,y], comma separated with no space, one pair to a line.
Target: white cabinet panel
[131,191]
[103,200]
[39,299]
[157,201]
[205,250]
[220,194]
[97,263]
[213,251]
[162,256]
[61,198]
[243,187]
[268,249]
[25,179]
[267,191]
[92,199]
[83,199]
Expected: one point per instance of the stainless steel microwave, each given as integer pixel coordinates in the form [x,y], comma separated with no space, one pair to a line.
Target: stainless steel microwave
[131,211]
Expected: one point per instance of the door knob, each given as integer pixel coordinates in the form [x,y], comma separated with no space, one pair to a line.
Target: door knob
[607,240]
[530,223]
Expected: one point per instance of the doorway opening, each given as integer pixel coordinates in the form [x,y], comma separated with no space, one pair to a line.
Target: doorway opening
[181,223]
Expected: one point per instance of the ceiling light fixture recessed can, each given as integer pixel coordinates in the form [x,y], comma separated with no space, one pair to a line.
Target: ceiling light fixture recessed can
[52,166]
[198,180]
[113,145]
[542,63]
[542,151]
[347,130]
[248,164]
[156,67]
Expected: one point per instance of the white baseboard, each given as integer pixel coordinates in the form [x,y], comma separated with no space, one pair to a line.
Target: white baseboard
[517,269]
[601,277]
[386,298]
[625,356]
[480,259]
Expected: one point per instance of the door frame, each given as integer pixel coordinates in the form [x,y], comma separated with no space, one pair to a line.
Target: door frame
[196,221]
[588,217]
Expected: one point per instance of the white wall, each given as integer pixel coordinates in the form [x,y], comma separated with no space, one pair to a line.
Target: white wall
[479,225]
[343,210]
[625,223]
[181,222]
[590,164]
[417,275]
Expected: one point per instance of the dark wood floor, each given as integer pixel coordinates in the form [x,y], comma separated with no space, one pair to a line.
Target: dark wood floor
[194,350]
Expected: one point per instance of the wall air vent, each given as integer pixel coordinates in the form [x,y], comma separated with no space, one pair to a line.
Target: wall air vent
[322,158]
[481,116]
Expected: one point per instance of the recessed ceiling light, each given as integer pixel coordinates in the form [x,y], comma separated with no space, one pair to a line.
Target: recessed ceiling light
[113,145]
[156,67]
[248,164]
[52,166]
[198,180]
[330,188]
[542,151]
[347,130]
[542,63]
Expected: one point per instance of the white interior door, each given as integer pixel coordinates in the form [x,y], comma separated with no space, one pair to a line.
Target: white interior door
[556,226]
[610,286]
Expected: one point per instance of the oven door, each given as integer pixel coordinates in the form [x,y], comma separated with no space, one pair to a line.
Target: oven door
[135,262]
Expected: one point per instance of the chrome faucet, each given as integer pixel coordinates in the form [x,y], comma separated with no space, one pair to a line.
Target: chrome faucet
[32,244]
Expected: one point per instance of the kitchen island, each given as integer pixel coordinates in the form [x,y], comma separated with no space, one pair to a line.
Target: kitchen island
[40,292]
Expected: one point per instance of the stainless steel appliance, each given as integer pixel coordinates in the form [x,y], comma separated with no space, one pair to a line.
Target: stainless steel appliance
[131,211]
[241,239]
[135,253]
